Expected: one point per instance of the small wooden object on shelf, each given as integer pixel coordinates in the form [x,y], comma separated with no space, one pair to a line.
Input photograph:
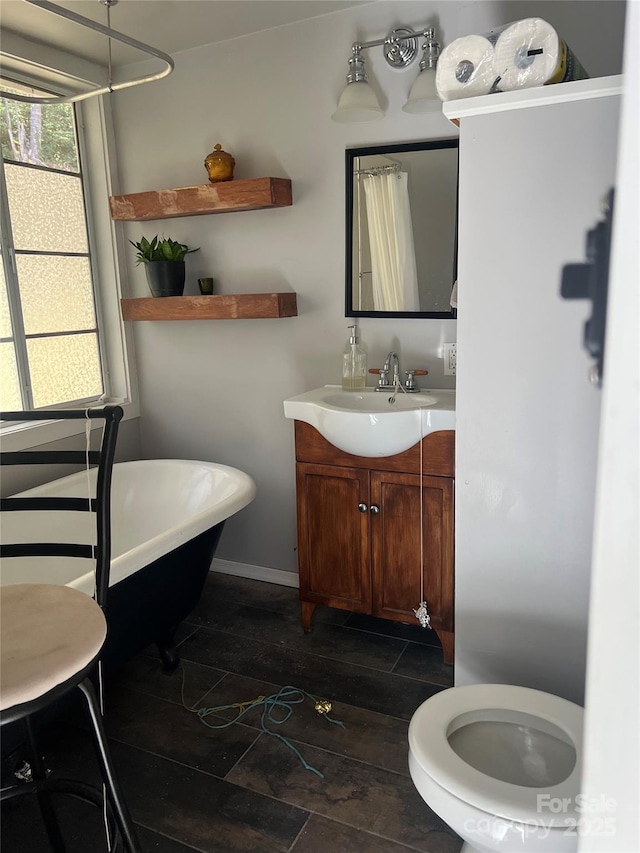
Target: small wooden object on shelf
[227,197]
[239,306]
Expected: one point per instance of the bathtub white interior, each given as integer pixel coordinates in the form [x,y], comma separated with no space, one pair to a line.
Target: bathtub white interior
[157,506]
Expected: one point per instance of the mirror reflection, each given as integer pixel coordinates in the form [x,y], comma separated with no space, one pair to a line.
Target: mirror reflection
[402,229]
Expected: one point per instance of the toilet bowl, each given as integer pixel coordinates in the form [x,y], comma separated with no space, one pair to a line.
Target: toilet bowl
[501,765]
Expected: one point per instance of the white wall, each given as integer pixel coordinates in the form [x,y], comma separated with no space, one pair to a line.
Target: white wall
[531,184]
[215,389]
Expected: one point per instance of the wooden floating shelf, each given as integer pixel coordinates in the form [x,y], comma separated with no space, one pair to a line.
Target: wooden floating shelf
[243,306]
[226,197]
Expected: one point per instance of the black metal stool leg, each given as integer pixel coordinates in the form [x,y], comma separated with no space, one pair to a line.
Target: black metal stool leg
[121,813]
[39,773]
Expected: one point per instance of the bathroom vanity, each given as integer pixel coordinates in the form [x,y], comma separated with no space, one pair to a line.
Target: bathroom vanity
[375,534]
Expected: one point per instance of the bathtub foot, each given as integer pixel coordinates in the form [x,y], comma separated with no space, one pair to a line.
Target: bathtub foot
[168,655]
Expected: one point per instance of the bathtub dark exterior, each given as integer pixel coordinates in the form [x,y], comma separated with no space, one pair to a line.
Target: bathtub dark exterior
[149,605]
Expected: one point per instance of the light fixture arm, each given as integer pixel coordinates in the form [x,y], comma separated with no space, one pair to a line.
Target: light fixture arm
[401,34]
[357,71]
[431,50]
[400,45]
[111,34]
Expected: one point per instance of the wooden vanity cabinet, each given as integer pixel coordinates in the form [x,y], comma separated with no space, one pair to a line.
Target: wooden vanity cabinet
[362,545]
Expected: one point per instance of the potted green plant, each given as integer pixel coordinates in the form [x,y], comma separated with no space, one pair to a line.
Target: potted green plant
[164,264]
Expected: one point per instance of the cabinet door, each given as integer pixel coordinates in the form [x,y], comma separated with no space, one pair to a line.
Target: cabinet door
[403,548]
[333,536]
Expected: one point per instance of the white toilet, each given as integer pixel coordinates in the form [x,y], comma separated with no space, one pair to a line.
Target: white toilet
[501,765]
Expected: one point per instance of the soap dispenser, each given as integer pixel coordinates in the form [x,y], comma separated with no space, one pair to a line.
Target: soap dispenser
[354,363]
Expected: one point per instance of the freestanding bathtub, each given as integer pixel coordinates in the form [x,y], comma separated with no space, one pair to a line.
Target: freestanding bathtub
[167,517]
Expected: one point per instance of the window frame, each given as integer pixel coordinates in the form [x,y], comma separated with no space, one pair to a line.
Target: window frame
[12,278]
[96,147]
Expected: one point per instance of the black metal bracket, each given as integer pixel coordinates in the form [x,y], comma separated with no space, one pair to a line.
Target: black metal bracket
[590,280]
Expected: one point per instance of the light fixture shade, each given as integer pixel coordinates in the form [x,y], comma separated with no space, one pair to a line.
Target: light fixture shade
[358,102]
[423,97]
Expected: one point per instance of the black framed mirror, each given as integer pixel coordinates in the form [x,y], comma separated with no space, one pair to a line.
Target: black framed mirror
[402,229]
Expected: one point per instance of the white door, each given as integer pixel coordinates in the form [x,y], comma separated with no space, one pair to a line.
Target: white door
[611,785]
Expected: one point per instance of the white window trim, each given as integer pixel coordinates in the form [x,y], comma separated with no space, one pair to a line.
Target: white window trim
[100,172]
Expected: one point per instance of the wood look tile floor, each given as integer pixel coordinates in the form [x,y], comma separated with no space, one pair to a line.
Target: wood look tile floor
[236,789]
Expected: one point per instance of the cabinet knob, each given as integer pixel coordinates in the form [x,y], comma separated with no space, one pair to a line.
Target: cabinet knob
[374,510]
[362,507]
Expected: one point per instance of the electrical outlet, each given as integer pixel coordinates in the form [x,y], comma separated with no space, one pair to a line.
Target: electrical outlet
[449,359]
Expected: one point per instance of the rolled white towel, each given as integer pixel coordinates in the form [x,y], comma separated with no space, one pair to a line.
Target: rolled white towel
[465,68]
[531,53]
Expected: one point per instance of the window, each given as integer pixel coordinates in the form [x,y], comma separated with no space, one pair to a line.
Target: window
[50,348]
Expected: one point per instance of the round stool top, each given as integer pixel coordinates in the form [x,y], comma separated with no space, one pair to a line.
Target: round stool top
[48,634]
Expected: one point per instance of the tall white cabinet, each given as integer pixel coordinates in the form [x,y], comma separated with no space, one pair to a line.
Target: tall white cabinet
[534,167]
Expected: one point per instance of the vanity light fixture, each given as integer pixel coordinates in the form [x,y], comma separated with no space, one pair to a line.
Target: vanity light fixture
[111,35]
[358,101]
[423,96]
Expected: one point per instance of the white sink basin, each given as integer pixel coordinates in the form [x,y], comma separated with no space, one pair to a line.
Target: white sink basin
[366,423]
[377,401]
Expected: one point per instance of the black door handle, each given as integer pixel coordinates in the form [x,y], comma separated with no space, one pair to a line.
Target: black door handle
[590,280]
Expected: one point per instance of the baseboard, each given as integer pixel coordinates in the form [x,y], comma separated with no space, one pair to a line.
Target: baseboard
[257,573]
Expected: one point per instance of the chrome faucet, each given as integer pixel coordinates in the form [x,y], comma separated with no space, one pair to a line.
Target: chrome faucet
[391,383]
[392,358]
[384,383]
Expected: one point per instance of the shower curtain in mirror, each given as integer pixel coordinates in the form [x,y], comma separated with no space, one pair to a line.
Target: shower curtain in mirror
[393,258]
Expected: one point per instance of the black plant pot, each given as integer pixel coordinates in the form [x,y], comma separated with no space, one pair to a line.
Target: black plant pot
[166,278]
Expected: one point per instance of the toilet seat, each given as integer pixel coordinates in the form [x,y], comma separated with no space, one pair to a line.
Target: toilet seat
[443,713]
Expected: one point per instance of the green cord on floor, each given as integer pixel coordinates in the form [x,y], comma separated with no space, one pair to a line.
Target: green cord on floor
[284,699]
